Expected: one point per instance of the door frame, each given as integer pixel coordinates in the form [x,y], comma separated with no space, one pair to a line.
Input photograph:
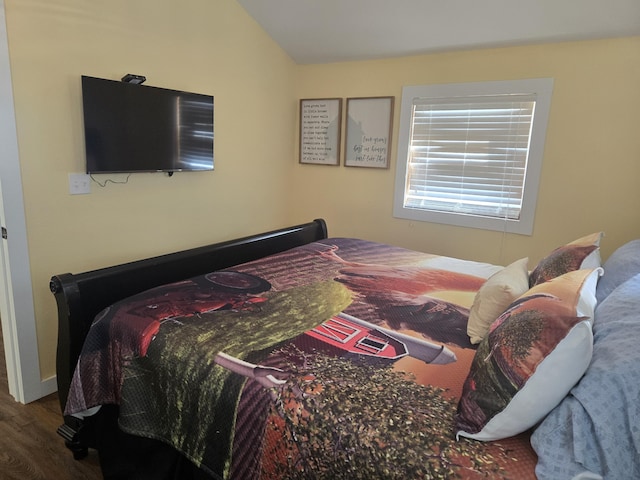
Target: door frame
[16,294]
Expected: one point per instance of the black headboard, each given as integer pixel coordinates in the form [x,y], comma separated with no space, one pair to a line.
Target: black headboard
[80,297]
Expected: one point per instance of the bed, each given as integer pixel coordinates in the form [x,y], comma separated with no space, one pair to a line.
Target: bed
[291,354]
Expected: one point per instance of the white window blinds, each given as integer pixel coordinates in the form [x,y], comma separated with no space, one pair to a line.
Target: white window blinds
[469,155]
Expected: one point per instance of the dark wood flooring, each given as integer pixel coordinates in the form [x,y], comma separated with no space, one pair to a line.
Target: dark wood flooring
[30,448]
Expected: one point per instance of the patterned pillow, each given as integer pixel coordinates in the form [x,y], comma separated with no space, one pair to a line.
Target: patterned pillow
[495,295]
[579,254]
[534,353]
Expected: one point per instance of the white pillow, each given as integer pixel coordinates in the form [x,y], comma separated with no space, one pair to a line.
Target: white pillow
[534,354]
[495,295]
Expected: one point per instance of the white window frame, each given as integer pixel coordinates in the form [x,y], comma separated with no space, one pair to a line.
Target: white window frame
[542,88]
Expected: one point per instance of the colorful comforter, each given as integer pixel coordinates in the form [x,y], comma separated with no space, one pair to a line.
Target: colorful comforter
[339,359]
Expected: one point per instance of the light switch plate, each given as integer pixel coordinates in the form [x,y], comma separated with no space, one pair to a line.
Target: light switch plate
[79,183]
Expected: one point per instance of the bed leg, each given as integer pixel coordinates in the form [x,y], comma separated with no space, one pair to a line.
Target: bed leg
[71,431]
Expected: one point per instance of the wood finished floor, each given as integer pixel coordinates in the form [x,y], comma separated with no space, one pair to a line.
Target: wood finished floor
[30,448]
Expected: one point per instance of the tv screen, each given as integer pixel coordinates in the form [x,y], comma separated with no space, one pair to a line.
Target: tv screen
[136,128]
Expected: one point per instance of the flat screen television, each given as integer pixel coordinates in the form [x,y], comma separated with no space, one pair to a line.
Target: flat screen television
[137,128]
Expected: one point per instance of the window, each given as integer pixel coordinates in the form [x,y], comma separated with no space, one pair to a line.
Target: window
[471,154]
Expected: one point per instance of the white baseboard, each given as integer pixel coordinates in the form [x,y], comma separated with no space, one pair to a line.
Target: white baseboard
[49,386]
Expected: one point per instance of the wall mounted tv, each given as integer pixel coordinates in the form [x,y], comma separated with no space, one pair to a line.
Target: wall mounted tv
[136,128]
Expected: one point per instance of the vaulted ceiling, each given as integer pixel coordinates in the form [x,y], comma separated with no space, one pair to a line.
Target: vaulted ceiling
[322,31]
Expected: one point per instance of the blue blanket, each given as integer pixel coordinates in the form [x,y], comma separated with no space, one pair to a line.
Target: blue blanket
[595,432]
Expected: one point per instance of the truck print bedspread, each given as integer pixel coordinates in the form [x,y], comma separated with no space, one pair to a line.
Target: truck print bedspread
[339,359]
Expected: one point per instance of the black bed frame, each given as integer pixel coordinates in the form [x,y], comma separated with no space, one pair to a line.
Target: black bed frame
[80,297]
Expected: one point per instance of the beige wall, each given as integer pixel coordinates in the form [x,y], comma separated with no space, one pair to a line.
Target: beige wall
[206,46]
[591,160]
[591,169]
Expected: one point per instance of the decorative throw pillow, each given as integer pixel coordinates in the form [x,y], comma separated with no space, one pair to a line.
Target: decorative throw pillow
[582,253]
[534,353]
[495,295]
